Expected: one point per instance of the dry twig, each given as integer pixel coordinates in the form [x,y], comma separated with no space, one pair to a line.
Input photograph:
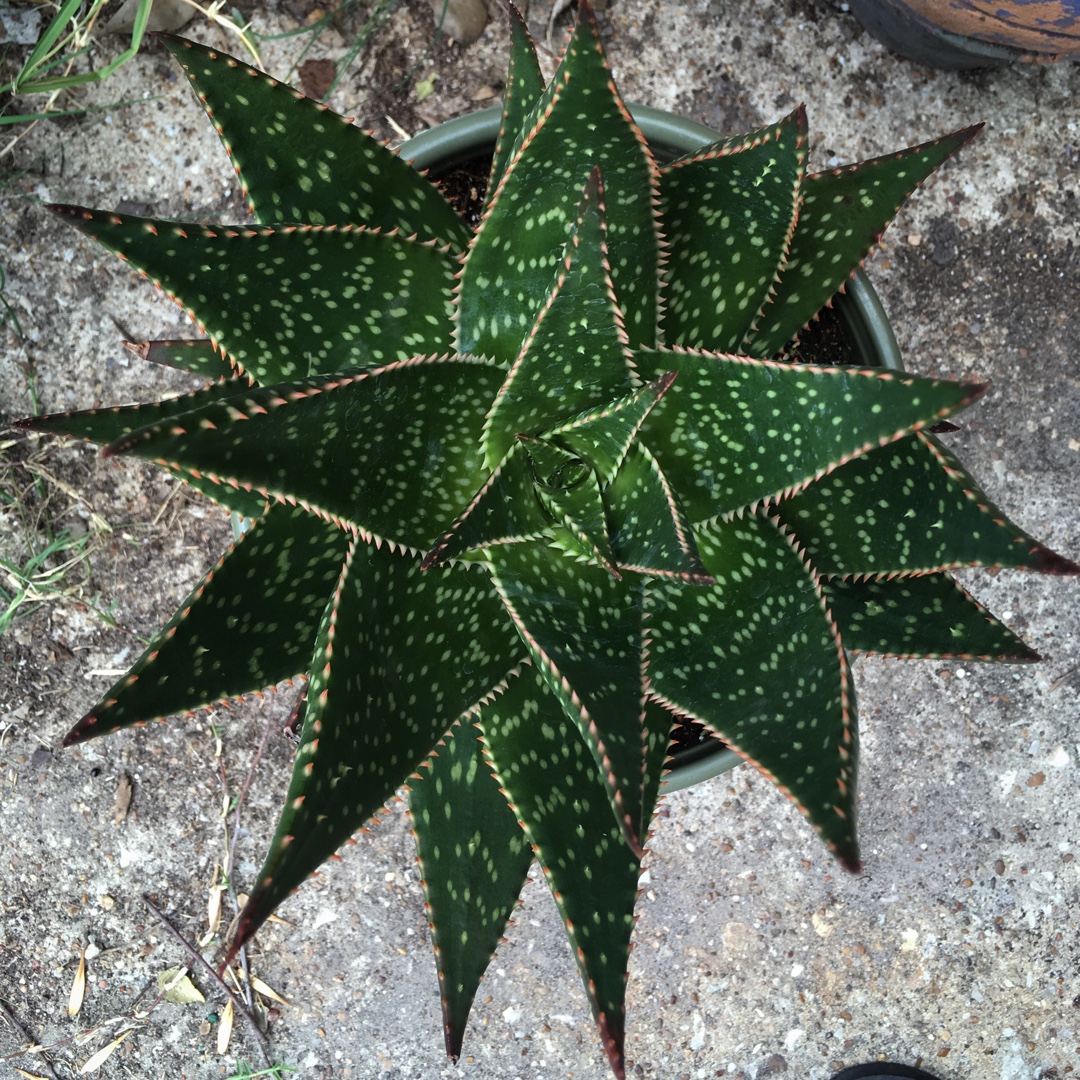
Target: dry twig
[25,1036]
[260,1036]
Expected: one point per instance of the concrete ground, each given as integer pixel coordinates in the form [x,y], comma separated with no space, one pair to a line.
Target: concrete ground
[756,956]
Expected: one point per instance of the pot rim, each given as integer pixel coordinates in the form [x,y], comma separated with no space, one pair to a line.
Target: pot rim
[465,137]
[935,34]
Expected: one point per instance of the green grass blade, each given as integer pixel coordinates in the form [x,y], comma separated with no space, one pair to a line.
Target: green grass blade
[8,119]
[44,55]
[43,577]
[44,50]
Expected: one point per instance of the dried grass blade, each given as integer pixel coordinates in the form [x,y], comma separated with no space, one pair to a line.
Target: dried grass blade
[99,1059]
[78,987]
[225,1030]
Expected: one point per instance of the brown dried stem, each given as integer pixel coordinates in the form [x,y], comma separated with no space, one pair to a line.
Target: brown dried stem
[238,1004]
[25,1036]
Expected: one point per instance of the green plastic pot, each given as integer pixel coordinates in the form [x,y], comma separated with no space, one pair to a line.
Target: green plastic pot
[468,138]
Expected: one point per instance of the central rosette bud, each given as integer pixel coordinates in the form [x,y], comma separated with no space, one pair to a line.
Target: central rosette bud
[555,471]
[580,486]
[561,437]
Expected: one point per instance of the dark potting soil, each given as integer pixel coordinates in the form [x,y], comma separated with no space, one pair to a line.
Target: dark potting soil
[464,187]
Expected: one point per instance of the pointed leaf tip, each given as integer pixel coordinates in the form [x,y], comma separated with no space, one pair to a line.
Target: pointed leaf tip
[851,862]
[1050,562]
[546,769]
[301,163]
[927,615]
[843,213]
[456,805]
[612,1031]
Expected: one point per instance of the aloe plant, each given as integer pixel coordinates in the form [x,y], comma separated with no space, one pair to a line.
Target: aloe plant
[523,498]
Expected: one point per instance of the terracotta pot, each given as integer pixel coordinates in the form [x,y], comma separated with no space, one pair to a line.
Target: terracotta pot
[473,136]
[957,34]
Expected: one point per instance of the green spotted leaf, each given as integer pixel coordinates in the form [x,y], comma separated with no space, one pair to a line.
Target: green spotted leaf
[549,774]
[602,436]
[108,425]
[553,467]
[908,508]
[506,510]
[729,210]
[927,616]
[516,253]
[842,215]
[733,432]
[625,524]
[575,356]
[333,445]
[577,507]
[756,659]
[300,163]
[197,356]
[583,629]
[383,690]
[237,500]
[659,723]
[474,858]
[255,291]
[649,530]
[524,89]
[247,625]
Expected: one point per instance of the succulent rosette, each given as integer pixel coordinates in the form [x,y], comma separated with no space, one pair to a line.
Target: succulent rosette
[522,498]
